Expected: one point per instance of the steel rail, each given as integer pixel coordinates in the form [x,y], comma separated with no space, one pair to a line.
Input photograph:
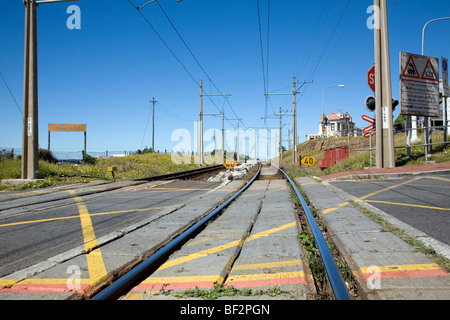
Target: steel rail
[141,271]
[181,174]
[337,283]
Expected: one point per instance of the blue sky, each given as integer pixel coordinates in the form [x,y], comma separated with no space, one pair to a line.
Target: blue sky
[106,73]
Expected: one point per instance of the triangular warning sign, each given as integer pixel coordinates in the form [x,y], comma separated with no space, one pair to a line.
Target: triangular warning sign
[429,73]
[411,69]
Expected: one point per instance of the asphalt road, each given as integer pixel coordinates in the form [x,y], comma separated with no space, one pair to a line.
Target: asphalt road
[422,202]
[36,235]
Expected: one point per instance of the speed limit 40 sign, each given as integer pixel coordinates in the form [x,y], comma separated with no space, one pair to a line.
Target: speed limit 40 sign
[308,161]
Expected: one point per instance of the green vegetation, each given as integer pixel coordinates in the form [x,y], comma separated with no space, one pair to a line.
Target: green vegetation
[128,168]
[359,160]
[220,290]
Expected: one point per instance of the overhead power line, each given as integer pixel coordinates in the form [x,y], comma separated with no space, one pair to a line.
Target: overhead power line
[10,92]
[189,50]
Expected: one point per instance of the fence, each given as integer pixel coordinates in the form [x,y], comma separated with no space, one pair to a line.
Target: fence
[427,145]
[6,153]
[70,156]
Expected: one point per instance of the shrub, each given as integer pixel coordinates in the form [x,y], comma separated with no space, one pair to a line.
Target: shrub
[88,159]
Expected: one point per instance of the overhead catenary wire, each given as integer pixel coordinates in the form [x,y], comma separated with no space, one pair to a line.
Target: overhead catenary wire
[176,57]
[10,92]
[264,65]
[196,60]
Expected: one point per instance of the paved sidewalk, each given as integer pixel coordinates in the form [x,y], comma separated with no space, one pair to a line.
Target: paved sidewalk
[384,266]
[403,171]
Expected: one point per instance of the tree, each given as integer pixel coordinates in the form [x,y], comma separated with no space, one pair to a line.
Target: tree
[400,122]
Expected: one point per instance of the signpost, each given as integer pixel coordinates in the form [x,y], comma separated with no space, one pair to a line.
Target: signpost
[67,127]
[369,130]
[371,78]
[419,85]
[445,94]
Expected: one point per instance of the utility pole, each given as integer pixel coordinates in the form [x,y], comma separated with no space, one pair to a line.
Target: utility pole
[153,124]
[200,143]
[279,115]
[201,121]
[385,157]
[294,93]
[237,150]
[30,138]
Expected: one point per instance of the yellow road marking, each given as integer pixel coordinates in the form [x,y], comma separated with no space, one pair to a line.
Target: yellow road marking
[96,265]
[388,188]
[207,252]
[266,276]
[207,278]
[407,267]
[134,296]
[409,205]
[268,265]
[363,198]
[325,211]
[77,216]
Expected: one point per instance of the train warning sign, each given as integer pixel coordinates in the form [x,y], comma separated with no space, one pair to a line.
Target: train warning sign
[419,85]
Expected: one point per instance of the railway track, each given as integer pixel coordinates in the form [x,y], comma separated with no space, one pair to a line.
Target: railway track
[249,241]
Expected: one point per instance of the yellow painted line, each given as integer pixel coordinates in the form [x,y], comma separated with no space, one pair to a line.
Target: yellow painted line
[387,189]
[363,198]
[409,205]
[439,178]
[268,265]
[7,283]
[77,216]
[266,276]
[96,265]
[185,279]
[207,252]
[325,211]
[306,183]
[45,281]
[407,267]
[134,296]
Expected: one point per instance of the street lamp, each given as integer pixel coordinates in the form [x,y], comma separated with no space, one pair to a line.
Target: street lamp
[323,101]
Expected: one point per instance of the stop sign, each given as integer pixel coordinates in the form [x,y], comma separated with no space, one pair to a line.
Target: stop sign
[371,78]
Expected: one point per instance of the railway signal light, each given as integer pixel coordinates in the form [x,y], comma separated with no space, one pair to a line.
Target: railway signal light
[370,103]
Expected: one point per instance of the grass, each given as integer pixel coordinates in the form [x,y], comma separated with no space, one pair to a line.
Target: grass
[358,160]
[220,290]
[128,168]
